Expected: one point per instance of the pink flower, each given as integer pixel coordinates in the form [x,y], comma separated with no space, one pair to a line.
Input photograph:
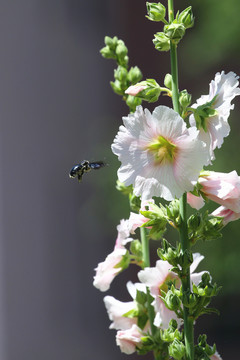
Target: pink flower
[216,356]
[227,214]
[116,309]
[222,188]
[107,270]
[195,202]
[135,89]
[223,88]
[159,155]
[156,279]
[129,339]
[137,220]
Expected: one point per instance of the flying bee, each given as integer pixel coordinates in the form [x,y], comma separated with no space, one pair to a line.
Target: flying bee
[85,166]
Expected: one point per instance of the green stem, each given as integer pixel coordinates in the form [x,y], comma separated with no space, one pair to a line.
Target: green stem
[185,245]
[146,260]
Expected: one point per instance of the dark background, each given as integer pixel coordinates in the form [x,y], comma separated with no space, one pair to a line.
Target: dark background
[57,108]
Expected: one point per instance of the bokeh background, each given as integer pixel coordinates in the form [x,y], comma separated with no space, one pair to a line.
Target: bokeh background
[57,108]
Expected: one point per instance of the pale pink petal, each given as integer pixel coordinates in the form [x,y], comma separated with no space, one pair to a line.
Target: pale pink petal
[195,202]
[129,339]
[135,89]
[227,214]
[106,270]
[116,309]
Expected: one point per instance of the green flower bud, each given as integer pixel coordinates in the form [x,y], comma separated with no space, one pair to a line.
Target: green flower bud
[156,11]
[168,81]
[176,349]
[121,74]
[172,301]
[161,41]
[121,49]
[175,32]
[111,42]
[117,87]
[186,18]
[185,99]
[133,102]
[134,75]
[107,53]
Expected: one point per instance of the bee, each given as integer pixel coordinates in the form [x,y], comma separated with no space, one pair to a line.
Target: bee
[85,166]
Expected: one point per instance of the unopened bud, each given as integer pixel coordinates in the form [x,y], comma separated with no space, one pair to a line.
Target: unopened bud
[161,41]
[175,32]
[107,53]
[120,73]
[156,11]
[148,90]
[176,349]
[185,99]
[168,81]
[186,18]
[134,75]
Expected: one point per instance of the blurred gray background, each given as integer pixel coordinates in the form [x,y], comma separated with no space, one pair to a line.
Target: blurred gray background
[56,109]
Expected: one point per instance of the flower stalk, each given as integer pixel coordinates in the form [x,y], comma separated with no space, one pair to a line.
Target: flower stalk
[185,245]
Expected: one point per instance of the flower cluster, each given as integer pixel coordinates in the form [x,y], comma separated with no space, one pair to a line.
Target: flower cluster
[163,154]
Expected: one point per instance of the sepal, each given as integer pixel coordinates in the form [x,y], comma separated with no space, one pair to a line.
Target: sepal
[202,350]
[125,261]
[174,32]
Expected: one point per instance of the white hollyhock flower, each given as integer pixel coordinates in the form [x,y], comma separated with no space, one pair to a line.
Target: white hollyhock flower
[156,279]
[116,309]
[159,155]
[107,270]
[222,90]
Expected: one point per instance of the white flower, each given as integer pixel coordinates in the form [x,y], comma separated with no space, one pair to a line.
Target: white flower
[216,356]
[156,279]
[129,339]
[116,309]
[159,155]
[223,88]
[107,270]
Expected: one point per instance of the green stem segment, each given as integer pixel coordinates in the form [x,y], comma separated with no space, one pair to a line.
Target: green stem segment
[185,246]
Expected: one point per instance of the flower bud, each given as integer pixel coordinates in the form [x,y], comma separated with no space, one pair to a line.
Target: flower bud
[185,99]
[117,87]
[176,349]
[107,53]
[186,18]
[120,73]
[156,11]
[168,81]
[111,42]
[161,41]
[133,102]
[134,75]
[148,90]
[172,301]
[121,49]
[175,32]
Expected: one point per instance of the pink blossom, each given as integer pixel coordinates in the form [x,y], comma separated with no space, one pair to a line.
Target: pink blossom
[195,202]
[227,214]
[137,220]
[107,270]
[156,279]
[129,339]
[135,89]
[116,309]
[216,356]
[160,156]
[222,188]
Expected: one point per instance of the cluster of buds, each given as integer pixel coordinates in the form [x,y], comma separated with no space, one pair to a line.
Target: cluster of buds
[173,31]
[123,76]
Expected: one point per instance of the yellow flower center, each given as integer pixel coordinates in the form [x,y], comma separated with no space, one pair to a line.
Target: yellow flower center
[163,150]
